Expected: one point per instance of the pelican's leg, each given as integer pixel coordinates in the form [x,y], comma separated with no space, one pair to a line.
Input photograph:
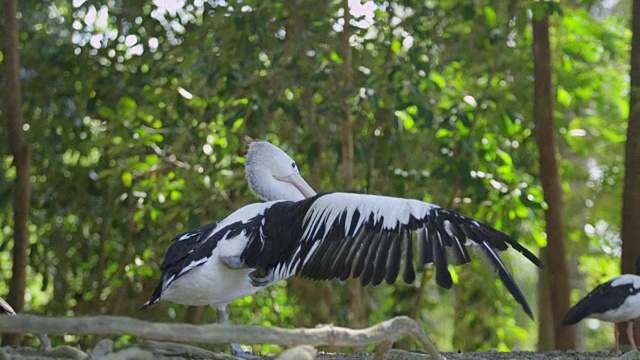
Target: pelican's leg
[44,342]
[630,336]
[261,277]
[233,262]
[236,350]
[617,335]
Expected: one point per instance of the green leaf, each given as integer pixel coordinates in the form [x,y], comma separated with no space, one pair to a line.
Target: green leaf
[127,179]
[396,46]
[490,17]
[336,58]
[564,98]
[437,79]
[126,104]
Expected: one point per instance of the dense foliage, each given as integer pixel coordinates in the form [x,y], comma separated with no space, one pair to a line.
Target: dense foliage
[139,114]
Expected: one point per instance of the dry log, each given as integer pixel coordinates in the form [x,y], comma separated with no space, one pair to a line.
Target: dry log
[385,332]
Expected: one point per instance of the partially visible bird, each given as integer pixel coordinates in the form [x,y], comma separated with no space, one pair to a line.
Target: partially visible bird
[325,236]
[5,308]
[616,300]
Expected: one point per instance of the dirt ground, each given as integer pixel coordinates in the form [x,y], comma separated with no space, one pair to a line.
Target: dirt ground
[167,351]
[553,355]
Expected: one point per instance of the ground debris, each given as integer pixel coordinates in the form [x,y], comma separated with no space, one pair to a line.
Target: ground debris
[396,354]
[27,353]
[174,351]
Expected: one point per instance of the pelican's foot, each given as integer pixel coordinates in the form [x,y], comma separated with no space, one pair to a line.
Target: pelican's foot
[233,262]
[261,277]
[237,351]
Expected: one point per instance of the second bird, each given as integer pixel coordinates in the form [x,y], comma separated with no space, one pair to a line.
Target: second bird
[617,300]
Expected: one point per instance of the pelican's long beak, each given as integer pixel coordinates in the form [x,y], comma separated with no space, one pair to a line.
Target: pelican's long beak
[296,180]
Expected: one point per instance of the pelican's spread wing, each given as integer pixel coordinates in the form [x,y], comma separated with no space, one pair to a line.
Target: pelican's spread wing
[372,238]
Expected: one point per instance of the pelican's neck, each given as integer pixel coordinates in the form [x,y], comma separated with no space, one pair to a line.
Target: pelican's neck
[269,188]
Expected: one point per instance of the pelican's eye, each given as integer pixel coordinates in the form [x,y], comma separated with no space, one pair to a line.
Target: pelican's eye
[293,165]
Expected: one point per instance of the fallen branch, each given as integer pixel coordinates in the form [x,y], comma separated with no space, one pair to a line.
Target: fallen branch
[385,332]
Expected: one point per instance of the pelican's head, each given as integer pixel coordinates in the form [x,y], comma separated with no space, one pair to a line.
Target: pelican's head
[273,175]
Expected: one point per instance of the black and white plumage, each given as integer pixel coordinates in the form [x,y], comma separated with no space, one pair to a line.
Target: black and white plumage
[192,260]
[326,236]
[194,271]
[617,300]
[373,238]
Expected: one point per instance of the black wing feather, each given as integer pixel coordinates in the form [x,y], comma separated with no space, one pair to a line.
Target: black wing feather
[409,275]
[342,255]
[443,277]
[393,259]
[382,258]
[425,255]
[362,255]
[179,250]
[369,264]
[506,278]
[358,244]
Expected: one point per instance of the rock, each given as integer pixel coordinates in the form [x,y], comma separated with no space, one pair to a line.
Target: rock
[132,353]
[25,353]
[631,355]
[398,354]
[302,352]
[170,350]
[103,348]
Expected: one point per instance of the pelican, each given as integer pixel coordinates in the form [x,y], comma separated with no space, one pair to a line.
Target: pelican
[617,300]
[320,236]
[196,271]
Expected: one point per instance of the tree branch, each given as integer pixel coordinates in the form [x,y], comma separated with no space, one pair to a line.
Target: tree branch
[385,332]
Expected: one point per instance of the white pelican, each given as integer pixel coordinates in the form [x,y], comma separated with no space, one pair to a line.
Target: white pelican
[617,300]
[195,270]
[325,236]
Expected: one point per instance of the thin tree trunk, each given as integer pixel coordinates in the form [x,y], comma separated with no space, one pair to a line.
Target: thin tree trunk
[556,274]
[631,195]
[347,124]
[358,304]
[546,336]
[194,314]
[22,162]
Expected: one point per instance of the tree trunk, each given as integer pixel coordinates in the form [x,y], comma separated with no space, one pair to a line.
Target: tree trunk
[194,314]
[631,195]
[22,162]
[546,336]
[357,304]
[347,126]
[556,274]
